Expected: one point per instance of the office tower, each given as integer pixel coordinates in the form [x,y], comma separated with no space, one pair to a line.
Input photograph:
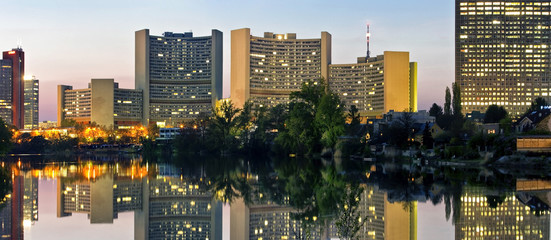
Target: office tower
[6,90]
[12,87]
[510,219]
[265,70]
[31,103]
[180,75]
[377,85]
[502,53]
[103,102]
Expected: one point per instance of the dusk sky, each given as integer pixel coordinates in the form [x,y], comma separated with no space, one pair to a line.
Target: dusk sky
[70,42]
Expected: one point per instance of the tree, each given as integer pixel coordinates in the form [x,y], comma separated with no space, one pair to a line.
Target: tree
[5,138]
[447,103]
[494,114]
[537,104]
[401,130]
[223,123]
[456,102]
[316,119]
[435,111]
[428,140]
[354,117]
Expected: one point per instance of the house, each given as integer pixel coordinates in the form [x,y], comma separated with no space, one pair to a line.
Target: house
[434,130]
[536,120]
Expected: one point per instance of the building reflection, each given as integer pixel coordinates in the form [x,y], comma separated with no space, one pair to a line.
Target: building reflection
[165,204]
[264,219]
[386,219]
[494,215]
[20,208]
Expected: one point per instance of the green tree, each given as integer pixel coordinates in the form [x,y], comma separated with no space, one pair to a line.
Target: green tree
[5,138]
[494,114]
[447,103]
[428,140]
[354,116]
[316,119]
[223,125]
[456,102]
[537,104]
[435,111]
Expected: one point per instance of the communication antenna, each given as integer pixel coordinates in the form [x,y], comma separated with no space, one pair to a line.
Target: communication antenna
[368,35]
[19,43]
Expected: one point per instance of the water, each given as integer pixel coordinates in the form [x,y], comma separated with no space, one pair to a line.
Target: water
[124,197]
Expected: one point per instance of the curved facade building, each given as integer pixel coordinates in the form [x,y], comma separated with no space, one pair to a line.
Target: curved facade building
[265,70]
[180,75]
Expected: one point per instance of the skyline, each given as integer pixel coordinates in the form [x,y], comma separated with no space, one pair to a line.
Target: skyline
[70,43]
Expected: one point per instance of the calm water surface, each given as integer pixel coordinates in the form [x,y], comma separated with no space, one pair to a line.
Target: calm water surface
[123,197]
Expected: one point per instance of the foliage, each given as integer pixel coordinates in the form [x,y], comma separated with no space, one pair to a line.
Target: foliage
[428,140]
[401,130]
[537,104]
[447,103]
[5,138]
[316,120]
[435,111]
[456,102]
[495,114]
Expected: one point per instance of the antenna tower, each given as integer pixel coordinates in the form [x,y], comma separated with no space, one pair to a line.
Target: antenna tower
[368,35]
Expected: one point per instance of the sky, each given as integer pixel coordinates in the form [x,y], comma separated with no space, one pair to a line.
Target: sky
[70,42]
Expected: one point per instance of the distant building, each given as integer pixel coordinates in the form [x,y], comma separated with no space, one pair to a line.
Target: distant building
[168,133]
[502,53]
[103,102]
[31,103]
[420,117]
[180,75]
[12,87]
[265,70]
[475,116]
[47,124]
[377,85]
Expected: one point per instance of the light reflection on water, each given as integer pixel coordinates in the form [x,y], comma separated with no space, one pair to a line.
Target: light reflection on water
[128,198]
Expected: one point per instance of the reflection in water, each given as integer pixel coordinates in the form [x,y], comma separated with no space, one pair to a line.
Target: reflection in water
[484,216]
[298,199]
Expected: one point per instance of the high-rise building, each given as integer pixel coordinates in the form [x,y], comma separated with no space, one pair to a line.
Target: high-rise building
[502,53]
[180,75]
[31,103]
[12,87]
[6,90]
[103,102]
[377,85]
[265,70]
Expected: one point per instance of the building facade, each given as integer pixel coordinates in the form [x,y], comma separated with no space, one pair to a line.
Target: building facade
[376,85]
[502,53]
[265,70]
[12,86]
[103,102]
[31,103]
[180,75]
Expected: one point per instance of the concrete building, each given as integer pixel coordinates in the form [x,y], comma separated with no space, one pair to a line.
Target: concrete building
[103,102]
[12,85]
[502,53]
[267,69]
[31,102]
[180,75]
[377,85]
